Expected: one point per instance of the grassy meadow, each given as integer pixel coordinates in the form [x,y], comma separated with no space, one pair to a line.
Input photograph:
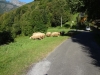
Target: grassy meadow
[17,57]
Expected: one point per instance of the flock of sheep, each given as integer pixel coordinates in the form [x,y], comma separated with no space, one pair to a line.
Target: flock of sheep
[39,35]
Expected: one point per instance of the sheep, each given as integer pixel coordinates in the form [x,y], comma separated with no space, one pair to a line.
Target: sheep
[48,34]
[37,35]
[55,34]
[42,35]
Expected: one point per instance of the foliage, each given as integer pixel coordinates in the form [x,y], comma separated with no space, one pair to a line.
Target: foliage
[35,16]
[76,5]
[41,14]
[16,30]
[6,37]
[92,8]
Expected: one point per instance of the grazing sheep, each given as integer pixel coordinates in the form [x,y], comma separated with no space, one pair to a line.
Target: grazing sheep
[42,35]
[55,34]
[48,34]
[37,35]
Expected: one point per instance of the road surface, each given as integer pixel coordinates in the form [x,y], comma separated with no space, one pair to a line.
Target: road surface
[79,55]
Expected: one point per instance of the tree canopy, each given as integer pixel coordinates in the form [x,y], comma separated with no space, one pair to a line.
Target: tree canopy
[35,16]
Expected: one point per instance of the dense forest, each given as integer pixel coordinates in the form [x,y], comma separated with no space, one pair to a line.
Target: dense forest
[37,16]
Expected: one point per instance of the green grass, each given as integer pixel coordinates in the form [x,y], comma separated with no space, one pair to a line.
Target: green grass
[58,29]
[17,57]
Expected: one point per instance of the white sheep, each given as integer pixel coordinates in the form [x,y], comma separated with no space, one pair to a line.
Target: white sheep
[55,34]
[38,35]
[42,35]
[48,34]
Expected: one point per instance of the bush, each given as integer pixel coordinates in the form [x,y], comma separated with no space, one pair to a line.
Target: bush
[40,27]
[5,38]
[26,28]
[16,30]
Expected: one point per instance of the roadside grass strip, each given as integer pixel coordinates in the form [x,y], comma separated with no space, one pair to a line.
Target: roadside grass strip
[17,57]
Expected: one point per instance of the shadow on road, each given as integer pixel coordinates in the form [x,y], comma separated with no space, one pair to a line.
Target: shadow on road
[89,46]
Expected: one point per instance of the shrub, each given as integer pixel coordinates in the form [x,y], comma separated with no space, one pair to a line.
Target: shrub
[5,37]
[40,27]
[16,30]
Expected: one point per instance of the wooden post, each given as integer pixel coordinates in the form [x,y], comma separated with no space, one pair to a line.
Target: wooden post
[61,21]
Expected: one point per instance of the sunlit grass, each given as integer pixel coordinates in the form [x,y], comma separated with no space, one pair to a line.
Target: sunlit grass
[58,29]
[17,57]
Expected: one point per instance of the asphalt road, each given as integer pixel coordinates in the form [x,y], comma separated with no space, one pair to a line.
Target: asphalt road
[79,55]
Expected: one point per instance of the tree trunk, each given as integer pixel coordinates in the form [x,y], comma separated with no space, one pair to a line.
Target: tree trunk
[61,21]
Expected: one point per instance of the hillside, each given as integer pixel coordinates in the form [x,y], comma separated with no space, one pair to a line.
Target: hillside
[46,13]
[37,16]
[6,6]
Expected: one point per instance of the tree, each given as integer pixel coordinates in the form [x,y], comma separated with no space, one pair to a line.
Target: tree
[58,10]
[26,28]
[75,5]
[93,8]
[39,20]
[16,30]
